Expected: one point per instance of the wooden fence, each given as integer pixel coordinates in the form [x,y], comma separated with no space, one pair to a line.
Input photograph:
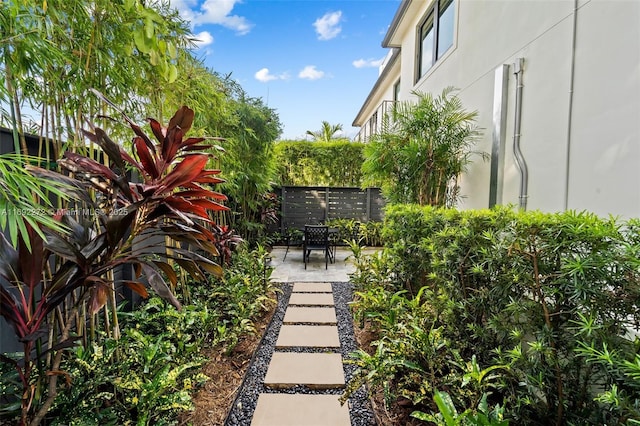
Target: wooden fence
[303,205]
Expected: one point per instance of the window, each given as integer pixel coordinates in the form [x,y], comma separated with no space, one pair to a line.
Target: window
[396,91]
[373,124]
[435,35]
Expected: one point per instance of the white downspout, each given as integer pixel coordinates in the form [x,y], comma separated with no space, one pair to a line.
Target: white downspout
[522,165]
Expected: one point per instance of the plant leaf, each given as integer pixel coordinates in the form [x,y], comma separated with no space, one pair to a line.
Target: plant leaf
[147,160]
[159,286]
[183,118]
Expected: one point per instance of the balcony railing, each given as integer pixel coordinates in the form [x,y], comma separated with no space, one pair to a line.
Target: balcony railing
[373,126]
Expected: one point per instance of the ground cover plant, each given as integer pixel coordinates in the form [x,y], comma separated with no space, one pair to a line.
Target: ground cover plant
[48,286]
[487,317]
[150,374]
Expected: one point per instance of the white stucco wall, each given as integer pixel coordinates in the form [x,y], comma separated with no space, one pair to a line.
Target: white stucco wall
[603,171]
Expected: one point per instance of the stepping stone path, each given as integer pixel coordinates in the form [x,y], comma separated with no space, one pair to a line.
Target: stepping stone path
[309,323]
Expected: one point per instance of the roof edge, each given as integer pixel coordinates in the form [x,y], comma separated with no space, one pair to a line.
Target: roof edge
[402,9]
[385,72]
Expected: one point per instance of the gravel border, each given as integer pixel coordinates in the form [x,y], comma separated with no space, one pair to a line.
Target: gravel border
[253,384]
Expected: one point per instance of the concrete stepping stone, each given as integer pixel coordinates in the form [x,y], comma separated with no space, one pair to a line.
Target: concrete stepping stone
[312,336]
[275,409]
[311,299]
[306,314]
[317,371]
[312,288]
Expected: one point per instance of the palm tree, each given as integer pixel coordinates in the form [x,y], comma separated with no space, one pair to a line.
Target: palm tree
[423,149]
[325,134]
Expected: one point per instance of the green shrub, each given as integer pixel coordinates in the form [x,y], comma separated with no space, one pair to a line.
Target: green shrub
[147,376]
[364,233]
[534,299]
[304,163]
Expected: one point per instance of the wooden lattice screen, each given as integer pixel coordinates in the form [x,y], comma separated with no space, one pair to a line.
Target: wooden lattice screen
[303,205]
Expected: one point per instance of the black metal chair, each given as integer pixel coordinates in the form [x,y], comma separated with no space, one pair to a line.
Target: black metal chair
[316,237]
[293,237]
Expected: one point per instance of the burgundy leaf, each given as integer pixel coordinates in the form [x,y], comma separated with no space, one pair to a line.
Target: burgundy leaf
[196,191]
[191,268]
[148,163]
[99,292]
[158,131]
[8,260]
[186,207]
[90,166]
[168,270]
[159,286]
[129,159]
[11,310]
[208,204]
[118,225]
[31,261]
[110,148]
[193,141]
[172,144]
[188,170]
[183,118]
[196,148]
[138,287]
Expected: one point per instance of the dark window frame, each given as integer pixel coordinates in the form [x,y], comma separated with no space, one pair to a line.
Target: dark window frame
[396,91]
[431,23]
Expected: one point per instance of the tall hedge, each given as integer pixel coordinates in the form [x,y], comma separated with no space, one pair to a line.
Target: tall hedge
[535,313]
[304,163]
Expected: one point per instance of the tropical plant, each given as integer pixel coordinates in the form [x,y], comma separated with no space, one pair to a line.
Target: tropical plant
[25,199]
[226,240]
[53,52]
[249,164]
[125,216]
[545,303]
[326,132]
[423,148]
[149,375]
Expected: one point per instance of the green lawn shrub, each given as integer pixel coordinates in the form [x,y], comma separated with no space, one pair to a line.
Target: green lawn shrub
[525,316]
[363,233]
[147,376]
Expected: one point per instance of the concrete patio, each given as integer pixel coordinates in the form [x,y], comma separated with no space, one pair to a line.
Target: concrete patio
[292,269]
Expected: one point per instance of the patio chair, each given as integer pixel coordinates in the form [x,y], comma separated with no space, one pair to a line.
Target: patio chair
[293,237]
[316,237]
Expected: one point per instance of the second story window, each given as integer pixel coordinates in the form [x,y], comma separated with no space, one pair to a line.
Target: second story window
[435,35]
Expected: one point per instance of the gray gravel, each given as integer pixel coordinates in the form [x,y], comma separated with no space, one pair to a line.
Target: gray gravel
[253,384]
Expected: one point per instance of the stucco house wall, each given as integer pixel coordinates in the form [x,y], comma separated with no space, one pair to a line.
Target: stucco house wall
[580,116]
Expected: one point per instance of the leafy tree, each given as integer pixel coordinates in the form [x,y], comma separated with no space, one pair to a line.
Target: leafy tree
[423,148]
[326,133]
[249,161]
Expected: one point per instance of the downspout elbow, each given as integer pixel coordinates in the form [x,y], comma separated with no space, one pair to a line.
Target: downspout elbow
[517,152]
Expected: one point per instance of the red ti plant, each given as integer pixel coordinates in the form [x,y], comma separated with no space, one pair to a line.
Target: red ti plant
[117,225]
[226,240]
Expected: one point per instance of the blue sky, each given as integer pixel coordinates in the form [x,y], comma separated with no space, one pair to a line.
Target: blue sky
[310,60]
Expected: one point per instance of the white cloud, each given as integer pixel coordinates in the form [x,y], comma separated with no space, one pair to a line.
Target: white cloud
[264,75]
[328,26]
[203,38]
[310,73]
[368,63]
[212,12]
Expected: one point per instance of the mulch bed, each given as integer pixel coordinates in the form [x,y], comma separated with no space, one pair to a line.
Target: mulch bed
[226,372]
